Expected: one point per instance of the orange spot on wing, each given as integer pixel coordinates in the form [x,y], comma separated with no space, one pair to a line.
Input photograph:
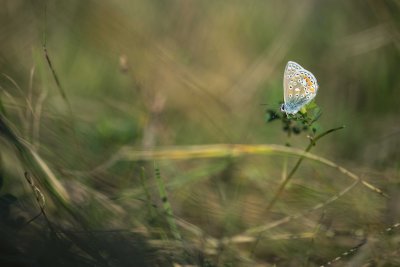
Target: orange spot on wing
[311,89]
[309,82]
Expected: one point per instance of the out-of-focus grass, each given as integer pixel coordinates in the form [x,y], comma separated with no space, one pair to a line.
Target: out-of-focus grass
[170,82]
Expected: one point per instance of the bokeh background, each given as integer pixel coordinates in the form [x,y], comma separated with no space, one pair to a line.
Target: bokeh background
[154,74]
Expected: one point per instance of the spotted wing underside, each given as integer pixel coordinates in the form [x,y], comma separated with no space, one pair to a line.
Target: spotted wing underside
[300,86]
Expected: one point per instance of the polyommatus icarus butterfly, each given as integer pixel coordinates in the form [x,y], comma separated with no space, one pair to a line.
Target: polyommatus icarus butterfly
[299,88]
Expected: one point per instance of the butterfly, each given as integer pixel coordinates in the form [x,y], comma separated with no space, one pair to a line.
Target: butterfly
[299,88]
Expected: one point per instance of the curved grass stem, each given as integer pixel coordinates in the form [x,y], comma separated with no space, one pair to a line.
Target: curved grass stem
[293,171]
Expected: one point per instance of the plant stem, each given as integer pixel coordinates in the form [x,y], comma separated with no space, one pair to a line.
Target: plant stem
[150,207]
[293,171]
[167,206]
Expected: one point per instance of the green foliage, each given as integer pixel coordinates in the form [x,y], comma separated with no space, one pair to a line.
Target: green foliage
[303,121]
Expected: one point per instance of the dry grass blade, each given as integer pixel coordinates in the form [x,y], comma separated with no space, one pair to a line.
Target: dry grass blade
[53,72]
[234,150]
[287,219]
[51,177]
[32,159]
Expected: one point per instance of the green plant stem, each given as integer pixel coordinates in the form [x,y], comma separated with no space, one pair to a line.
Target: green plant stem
[167,206]
[293,171]
[150,208]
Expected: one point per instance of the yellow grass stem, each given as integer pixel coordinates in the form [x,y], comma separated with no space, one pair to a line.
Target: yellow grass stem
[230,150]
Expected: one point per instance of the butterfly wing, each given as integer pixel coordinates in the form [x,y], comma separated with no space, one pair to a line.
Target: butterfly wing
[300,87]
[288,78]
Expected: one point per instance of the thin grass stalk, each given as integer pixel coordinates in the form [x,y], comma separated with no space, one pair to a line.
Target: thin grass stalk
[167,206]
[293,171]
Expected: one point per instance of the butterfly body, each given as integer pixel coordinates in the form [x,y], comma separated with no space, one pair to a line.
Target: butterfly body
[300,88]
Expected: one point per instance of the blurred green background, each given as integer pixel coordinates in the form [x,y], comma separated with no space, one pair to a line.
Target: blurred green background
[151,74]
